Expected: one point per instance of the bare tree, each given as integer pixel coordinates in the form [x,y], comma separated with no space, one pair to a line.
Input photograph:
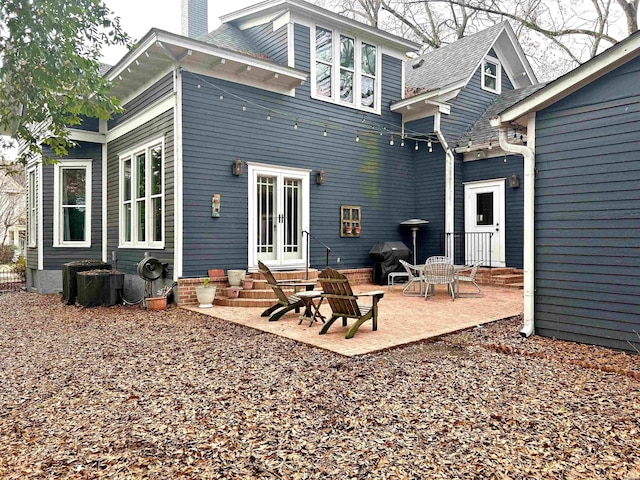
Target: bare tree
[557,35]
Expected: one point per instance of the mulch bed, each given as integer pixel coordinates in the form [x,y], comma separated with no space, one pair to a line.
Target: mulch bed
[124,393]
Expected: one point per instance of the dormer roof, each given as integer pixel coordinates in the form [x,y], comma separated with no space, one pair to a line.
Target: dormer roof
[456,63]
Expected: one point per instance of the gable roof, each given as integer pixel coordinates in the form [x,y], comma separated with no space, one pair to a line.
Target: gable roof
[232,38]
[452,64]
[563,86]
[482,132]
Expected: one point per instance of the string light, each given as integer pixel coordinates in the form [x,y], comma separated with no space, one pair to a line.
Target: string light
[490,146]
[416,148]
[198,86]
[295,125]
[324,133]
[391,141]
[469,146]
[269,116]
[221,97]
[244,108]
[430,148]
[429,143]
[357,138]
[402,141]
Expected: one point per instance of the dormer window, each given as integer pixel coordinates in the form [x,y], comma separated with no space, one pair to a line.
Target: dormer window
[491,74]
[345,70]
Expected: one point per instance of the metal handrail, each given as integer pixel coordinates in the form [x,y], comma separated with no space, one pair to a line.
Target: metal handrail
[467,247]
[326,247]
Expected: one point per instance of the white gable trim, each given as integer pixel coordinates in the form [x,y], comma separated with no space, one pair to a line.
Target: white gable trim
[581,76]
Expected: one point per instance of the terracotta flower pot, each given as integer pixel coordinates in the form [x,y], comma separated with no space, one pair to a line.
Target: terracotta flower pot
[233,292]
[347,230]
[247,284]
[156,303]
[216,272]
[358,230]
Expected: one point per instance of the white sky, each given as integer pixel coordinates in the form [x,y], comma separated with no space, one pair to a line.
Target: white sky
[139,16]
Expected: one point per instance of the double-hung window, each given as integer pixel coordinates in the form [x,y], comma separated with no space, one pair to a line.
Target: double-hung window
[491,75]
[72,213]
[345,70]
[142,197]
[32,208]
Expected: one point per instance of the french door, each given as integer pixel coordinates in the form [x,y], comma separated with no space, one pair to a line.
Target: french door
[484,222]
[278,214]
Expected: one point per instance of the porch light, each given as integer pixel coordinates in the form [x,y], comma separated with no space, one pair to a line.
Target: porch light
[236,167]
[514,181]
[321,177]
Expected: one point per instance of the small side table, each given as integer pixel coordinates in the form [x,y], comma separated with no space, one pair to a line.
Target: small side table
[394,275]
[311,308]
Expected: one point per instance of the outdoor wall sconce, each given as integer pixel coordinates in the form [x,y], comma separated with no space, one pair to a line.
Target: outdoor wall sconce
[321,177]
[236,167]
[514,181]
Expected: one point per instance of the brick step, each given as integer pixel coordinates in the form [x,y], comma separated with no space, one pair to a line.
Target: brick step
[244,302]
[506,279]
[517,286]
[289,274]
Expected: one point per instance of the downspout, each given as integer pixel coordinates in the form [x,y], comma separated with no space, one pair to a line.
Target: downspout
[528,152]
[449,180]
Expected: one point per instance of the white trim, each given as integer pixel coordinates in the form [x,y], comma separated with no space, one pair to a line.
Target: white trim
[32,221]
[281,21]
[586,73]
[86,136]
[450,91]
[357,71]
[103,188]
[291,45]
[178,213]
[145,86]
[498,76]
[40,228]
[321,15]
[158,108]
[85,164]
[449,177]
[130,155]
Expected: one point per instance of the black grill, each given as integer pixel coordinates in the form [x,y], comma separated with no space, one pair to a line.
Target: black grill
[386,258]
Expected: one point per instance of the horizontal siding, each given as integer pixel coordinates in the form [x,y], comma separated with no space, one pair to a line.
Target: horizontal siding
[587,222]
[158,90]
[128,258]
[370,173]
[54,258]
[503,167]
[273,44]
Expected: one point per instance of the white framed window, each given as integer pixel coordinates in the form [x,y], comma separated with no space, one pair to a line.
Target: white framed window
[491,75]
[72,197]
[142,196]
[345,70]
[32,208]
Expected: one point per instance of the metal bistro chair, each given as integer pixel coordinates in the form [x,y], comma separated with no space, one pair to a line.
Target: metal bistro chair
[415,276]
[438,271]
[469,277]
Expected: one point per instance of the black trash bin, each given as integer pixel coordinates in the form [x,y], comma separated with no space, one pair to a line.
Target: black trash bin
[386,258]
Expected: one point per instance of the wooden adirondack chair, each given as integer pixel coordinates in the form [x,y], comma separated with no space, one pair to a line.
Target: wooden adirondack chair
[344,303]
[285,303]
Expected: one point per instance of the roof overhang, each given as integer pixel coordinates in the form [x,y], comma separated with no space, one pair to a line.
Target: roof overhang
[160,51]
[513,58]
[320,16]
[569,83]
[427,103]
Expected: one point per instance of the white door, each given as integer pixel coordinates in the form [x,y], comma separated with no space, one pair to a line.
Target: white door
[484,222]
[278,214]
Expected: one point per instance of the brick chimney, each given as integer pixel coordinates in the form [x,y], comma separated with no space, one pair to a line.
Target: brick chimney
[195,18]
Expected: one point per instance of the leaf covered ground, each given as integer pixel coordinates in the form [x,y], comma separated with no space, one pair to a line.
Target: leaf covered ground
[125,393]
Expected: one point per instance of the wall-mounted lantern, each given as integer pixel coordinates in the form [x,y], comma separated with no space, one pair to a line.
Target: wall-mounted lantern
[236,167]
[514,181]
[321,177]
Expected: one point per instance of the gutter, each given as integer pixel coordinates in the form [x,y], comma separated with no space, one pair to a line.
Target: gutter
[528,152]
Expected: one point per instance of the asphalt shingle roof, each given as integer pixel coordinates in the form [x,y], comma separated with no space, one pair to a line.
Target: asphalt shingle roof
[232,38]
[452,63]
[482,131]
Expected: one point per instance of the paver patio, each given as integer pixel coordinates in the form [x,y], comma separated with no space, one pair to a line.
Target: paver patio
[402,319]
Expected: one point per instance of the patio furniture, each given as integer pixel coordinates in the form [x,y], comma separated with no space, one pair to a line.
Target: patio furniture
[311,307]
[414,273]
[394,276]
[438,271]
[470,277]
[344,303]
[285,303]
